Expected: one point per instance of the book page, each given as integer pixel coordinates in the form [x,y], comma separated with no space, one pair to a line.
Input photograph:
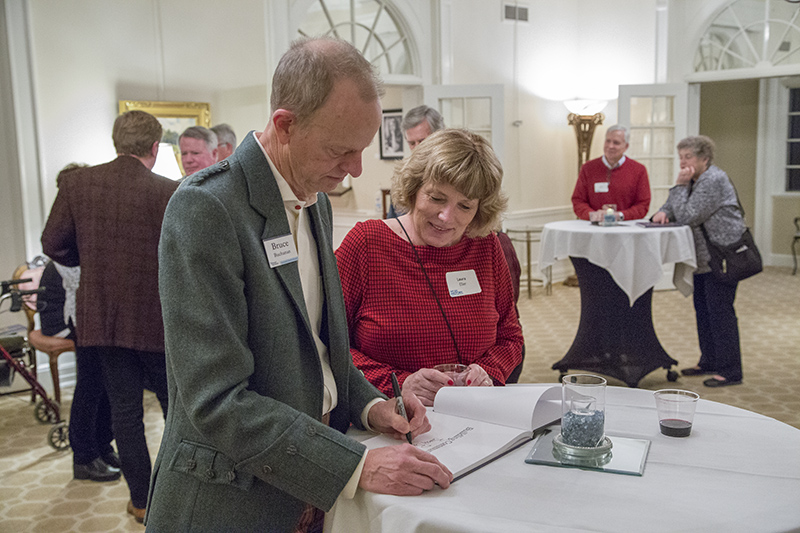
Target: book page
[519,406]
[472,425]
[460,444]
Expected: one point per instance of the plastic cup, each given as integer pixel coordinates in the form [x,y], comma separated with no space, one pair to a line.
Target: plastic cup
[456,372]
[676,411]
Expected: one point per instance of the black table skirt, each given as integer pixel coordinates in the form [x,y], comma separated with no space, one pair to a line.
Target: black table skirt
[613,338]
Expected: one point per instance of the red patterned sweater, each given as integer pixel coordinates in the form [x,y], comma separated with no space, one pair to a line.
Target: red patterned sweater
[395,323]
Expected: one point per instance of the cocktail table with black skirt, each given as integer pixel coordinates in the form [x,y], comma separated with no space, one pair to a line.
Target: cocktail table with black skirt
[614,338]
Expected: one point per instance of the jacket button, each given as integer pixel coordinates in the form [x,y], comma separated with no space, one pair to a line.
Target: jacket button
[291,450]
[266,469]
[210,473]
[224,164]
[231,476]
[191,464]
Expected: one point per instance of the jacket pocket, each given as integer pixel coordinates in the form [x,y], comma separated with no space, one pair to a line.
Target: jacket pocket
[208,466]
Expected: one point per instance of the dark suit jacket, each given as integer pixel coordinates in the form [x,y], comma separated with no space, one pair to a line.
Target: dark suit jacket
[243,446]
[107,219]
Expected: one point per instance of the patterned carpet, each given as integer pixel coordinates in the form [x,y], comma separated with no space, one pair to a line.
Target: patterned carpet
[768,307]
[38,494]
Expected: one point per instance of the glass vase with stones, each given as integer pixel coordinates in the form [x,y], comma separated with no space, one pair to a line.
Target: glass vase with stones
[583,413]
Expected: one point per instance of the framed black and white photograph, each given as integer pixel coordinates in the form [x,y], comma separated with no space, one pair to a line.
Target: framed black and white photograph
[392,134]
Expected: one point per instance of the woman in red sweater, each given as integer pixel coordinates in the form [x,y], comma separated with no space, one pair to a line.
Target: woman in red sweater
[433,286]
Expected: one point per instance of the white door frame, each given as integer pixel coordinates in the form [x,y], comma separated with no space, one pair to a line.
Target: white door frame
[495,92]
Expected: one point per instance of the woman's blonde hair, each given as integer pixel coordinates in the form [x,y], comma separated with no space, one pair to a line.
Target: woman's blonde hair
[463,160]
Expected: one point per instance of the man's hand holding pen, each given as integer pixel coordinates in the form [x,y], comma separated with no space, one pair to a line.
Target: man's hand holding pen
[403,470]
[385,417]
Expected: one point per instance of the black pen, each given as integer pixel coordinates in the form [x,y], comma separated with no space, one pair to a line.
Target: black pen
[400,405]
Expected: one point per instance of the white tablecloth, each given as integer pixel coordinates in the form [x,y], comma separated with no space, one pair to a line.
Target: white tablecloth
[633,255]
[738,471]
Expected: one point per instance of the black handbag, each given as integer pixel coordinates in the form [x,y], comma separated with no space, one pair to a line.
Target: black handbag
[734,262]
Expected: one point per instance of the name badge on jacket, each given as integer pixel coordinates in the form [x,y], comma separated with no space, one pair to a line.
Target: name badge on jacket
[462,283]
[280,250]
[601,186]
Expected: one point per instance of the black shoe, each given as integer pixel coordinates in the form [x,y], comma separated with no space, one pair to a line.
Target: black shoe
[97,470]
[714,382]
[695,371]
[112,460]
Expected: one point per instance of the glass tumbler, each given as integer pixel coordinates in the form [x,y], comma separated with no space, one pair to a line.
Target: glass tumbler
[583,410]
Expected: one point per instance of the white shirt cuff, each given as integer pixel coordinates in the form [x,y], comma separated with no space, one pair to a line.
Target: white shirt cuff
[350,489]
[365,413]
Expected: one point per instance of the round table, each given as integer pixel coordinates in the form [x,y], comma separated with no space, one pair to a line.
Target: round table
[617,267]
[737,472]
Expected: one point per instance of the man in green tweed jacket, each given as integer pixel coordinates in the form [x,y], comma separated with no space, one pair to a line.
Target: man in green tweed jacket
[260,378]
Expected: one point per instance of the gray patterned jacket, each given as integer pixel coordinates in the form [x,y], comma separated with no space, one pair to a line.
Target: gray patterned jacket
[710,201]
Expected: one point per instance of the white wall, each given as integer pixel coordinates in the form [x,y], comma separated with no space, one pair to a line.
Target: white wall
[570,49]
[88,54]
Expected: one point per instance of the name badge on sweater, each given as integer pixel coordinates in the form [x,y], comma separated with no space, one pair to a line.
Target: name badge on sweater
[280,250]
[462,283]
[601,186]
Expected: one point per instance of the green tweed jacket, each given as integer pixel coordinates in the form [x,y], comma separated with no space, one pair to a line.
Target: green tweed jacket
[243,445]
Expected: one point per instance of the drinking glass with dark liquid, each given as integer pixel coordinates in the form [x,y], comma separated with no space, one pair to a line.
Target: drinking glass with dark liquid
[676,410]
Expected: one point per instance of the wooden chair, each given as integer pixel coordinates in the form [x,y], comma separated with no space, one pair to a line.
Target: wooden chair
[52,346]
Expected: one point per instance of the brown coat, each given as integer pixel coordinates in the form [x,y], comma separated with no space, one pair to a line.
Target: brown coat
[107,219]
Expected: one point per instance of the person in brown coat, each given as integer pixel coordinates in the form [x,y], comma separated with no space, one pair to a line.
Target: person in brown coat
[107,219]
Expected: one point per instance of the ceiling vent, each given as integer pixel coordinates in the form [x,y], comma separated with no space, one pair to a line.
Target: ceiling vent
[515,12]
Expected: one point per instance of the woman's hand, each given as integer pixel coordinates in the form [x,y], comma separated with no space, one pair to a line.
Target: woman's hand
[685,175]
[660,218]
[425,383]
[477,377]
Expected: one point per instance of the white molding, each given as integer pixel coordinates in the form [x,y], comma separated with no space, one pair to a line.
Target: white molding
[344,220]
[770,157]
[529,218]
[25,114]
[743,73]
[537,217]
[780,260]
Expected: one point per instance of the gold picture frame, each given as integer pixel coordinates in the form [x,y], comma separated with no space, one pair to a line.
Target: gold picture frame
[174,117]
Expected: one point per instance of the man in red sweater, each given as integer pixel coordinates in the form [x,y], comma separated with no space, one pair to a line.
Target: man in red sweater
[612,179]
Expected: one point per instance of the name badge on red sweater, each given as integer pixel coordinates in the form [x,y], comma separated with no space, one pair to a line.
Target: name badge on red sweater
[280,250]
[462,283]
[601,186]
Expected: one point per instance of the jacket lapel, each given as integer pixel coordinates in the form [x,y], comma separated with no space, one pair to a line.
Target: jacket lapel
[333,324]
[265,199]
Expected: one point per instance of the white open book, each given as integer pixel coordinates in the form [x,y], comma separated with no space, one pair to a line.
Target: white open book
[472,426]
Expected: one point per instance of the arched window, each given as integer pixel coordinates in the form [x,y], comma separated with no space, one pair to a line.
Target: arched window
[372,26]
[751,33]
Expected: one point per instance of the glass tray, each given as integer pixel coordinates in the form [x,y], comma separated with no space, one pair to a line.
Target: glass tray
[628,456]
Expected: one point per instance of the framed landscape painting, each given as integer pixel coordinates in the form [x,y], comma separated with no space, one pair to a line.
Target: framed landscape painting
[174,117]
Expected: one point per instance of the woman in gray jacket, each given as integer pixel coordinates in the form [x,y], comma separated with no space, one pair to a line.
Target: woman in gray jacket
[704,196]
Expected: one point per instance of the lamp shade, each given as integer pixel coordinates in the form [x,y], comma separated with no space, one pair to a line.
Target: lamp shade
[585,107]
